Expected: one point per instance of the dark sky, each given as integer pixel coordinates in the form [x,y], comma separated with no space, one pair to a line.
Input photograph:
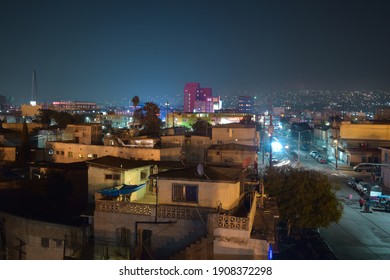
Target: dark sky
[110,50]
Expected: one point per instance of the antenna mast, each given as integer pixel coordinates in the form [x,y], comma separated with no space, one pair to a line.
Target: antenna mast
[34,89]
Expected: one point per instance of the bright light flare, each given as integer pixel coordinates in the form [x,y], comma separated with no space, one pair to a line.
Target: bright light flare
[276,146]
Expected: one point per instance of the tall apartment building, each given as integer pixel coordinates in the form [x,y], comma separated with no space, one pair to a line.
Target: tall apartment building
[197,99]
[73,106]
[246,104]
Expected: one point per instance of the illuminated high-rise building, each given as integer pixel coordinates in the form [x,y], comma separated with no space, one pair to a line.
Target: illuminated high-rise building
[246,104]
[197,99]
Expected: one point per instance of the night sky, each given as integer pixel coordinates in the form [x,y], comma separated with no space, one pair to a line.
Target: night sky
[115,49]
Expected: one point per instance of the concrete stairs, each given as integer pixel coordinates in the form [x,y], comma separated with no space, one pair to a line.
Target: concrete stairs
[201,249]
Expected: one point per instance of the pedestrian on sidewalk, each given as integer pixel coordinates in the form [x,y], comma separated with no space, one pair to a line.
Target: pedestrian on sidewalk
[361,202]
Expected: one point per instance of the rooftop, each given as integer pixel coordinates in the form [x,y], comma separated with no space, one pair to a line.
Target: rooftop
[234,125]
[203,173]
[122,163]
[233,146]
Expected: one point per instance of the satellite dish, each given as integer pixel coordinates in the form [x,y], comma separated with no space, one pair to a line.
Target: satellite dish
[200,170]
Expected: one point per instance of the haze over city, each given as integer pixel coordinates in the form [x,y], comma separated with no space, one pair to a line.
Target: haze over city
[111,50]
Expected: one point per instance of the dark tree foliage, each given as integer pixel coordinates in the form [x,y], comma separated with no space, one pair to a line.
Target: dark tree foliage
[247,120]
[305,197]
[201,127]
[62,119]
[135,100]
[149,119]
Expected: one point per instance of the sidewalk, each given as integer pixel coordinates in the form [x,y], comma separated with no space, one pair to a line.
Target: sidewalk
[340,165]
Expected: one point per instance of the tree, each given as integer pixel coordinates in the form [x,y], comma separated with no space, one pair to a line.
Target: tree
[305,198]
[62,119]
[201,127]
[148,118]
[135,100]
[247,119]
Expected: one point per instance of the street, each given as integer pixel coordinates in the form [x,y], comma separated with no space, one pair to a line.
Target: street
[359,235]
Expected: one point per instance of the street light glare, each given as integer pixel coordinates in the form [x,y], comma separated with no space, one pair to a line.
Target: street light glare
[276,146]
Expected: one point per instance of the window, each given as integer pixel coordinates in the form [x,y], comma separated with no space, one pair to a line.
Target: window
[45,242]
[143,175]
[185,193]
[112,176]
[124,236]
[58,243]
[70,154]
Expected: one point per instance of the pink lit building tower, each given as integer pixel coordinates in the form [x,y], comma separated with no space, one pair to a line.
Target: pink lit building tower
[197,99]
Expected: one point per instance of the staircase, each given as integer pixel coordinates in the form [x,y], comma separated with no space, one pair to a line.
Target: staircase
[201,249]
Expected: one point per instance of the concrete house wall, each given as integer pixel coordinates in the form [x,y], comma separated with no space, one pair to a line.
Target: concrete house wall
[35,240]
[210,194]
[235,133]
[97,179]
[73,152]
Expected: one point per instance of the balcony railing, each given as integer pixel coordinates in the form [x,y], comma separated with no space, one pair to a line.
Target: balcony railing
[238,223]
[124,207]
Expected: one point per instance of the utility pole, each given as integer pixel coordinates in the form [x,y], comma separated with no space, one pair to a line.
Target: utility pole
[299,141]
[270,131]
[336,141]
[166,118]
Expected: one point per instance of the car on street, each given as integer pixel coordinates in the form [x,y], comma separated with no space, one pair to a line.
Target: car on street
[352,181]
[362,187]
[322,160]
[387,206]
[313,153]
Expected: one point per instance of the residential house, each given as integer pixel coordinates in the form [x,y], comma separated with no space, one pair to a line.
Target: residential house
[88,133]
[110,172]
[232,154]
[74,152]
[236,133]
[27,239]
[385,168]
[354,143]
[193,147]
[194,204]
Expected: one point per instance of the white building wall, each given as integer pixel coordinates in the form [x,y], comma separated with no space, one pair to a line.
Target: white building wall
[244,136]
[97,180]
[210,194]
[72,152]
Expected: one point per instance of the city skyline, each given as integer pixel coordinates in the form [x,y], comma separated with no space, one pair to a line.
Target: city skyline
[111,50]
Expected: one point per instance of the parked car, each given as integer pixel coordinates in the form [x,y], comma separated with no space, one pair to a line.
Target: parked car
[352,181]
[367,167]
[313,153]
[317,156]
[322,160]
[387,206]
[362,187]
